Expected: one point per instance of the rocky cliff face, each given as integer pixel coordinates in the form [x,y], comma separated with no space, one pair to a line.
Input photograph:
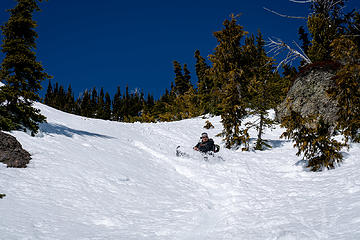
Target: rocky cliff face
[308,96]
[11,152]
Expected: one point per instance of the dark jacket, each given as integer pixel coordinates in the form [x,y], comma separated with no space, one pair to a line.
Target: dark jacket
[206,146]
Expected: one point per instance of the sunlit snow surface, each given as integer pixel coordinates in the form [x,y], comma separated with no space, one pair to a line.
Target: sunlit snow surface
[94,179]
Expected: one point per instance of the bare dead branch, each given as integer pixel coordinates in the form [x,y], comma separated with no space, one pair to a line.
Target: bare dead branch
[305,1]
[277,46]
[282,15]
[356,28]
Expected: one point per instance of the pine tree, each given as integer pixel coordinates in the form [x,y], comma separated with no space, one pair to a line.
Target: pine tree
[77,106]
[187,77]
[49,94]
[314,139]
[55,95]
[148,109]
[150,102]
[233,113]
[353,26]
[60,98]
[347,87]
[229,85]
[160,105]
[93,103]
[135,106]
[205,84]
[331,33]
[262,96]
[167,110]
[325,25]
[86,105]
[125,106]
[69,101]
[182,82]
[100,106]
[20,72]
[185,106]
[227,56]
[303,36]
[117,105]
[107,107]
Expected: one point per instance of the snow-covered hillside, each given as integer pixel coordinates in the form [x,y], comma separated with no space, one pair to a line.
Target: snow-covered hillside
[94,179]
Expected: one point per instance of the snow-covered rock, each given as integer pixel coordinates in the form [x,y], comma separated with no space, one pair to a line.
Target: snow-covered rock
[94,179]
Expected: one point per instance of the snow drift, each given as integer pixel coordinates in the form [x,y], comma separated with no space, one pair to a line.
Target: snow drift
[95,179]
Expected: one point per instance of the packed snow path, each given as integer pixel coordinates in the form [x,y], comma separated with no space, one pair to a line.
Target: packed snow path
[94,179]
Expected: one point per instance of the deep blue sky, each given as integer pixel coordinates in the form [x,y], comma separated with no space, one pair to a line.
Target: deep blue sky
[112,43]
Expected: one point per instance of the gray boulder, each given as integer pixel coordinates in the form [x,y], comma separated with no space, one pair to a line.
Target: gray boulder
[11,152]
[308,96]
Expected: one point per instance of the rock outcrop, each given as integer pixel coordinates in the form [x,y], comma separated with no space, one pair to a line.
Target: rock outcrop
[308,95]
[11,152]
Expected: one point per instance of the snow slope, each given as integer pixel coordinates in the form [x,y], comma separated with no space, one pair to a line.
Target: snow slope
[94,179]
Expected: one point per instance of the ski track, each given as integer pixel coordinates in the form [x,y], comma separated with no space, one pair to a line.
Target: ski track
[92,179]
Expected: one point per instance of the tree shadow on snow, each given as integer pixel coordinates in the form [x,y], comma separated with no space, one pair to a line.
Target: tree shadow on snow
[276,143]
[272,143]
[51,128]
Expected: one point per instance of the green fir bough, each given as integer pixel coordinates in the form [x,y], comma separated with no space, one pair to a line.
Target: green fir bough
[21,73]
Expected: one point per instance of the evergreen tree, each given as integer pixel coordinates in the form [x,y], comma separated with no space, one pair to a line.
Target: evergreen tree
[93,103]
[227,56]
[107,107]
[60,98]
[187,77]
[332,40]
[232,115]
[148,109]
[303,36]
[49,94]
[56,93]
[77,105]
[314,139]
[325,25]
[168,105]
[185,106]
[150,101]
[69,101]
[262,96]
[117,105]
[100,107]
[347,87]
[229,85]
[133,110]
[182,82]
[205,84]
[125,106]
[305,39]
[20,72]
[160,105]
[86,105]
[353,26]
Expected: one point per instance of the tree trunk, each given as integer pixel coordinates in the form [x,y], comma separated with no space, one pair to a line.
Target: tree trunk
[259,139]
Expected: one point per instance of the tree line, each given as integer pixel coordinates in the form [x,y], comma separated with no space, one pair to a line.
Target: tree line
[125,107]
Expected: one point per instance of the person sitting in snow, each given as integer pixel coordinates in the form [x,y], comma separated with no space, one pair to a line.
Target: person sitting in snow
[206,144]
